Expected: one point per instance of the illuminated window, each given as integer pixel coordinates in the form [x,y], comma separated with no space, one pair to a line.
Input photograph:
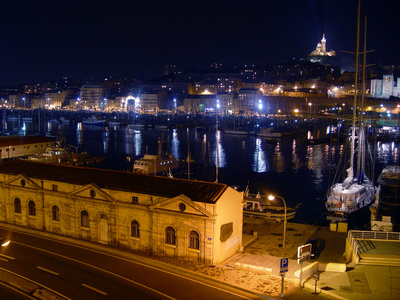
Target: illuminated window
[135,230]
[31,208]
[194,240]
[17,205]
[170,237]
[55,213]
[84,218]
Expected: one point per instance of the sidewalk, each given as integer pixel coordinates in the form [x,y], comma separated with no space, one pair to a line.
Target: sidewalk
[262,252]
[248,270]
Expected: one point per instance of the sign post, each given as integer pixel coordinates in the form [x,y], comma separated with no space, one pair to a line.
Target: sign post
[316,278]
[303,253]
[284,268]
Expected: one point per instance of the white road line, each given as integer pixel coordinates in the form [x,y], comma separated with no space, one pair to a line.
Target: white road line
[17,290]
[47,270]
[9,257]
[3,259]
[94,289]
[100,269]
[37,283]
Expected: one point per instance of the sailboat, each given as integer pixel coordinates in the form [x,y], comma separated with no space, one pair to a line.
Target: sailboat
[357,190]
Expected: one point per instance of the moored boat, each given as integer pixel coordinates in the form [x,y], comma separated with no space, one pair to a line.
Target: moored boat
[156,164]
[260,206]
[94,121]
[357,190]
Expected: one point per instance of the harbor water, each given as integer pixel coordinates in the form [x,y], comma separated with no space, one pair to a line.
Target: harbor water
[291,168]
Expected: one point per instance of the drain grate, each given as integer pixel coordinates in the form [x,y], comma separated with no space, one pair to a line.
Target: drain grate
[359,283]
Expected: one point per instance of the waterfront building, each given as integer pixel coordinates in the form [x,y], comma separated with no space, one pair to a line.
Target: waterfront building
[187,219]
[93,96]
[386,87]
[248,100]
[149,103]
[19,146]
[199,103]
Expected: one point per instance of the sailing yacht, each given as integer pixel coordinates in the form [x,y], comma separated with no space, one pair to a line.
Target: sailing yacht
[357,190]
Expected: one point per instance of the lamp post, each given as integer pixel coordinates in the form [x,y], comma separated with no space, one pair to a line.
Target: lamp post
[272,197]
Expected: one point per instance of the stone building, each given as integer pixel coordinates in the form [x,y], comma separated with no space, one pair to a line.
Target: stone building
[188,219]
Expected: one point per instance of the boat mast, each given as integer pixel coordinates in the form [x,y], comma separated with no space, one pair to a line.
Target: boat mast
[361,146]
[350,171]
[216,142]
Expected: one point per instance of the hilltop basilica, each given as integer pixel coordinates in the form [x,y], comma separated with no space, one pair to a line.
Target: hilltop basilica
[320,50]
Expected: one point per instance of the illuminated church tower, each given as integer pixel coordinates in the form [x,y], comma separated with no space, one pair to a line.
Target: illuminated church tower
[320,50]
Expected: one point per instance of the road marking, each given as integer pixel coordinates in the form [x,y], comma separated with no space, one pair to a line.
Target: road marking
[94,289]
[9,257]
[98,268]
[38,284]
[130,261]
[3,259]
[47,270]
[17,290]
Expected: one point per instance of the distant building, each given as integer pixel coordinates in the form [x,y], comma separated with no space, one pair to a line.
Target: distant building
[149,103]
[193,220]
[199,103]
[248,100]
[320,50]
[386,87]
[93,96]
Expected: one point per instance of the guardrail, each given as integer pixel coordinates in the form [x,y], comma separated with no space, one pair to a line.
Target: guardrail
[353,235]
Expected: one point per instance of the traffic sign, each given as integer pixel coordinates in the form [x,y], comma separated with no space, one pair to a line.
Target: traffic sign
[284,265]
[304,251]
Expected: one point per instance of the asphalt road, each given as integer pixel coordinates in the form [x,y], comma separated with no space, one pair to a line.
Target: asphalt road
[78,273]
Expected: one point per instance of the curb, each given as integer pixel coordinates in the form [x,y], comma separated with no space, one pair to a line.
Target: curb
[126,255]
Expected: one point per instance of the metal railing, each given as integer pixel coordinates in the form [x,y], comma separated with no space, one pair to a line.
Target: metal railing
[353,235]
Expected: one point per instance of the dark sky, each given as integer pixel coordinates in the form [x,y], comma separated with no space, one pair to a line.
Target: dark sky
[45,40]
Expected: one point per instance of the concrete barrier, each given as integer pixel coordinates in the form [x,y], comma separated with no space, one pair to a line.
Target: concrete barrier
[307,270]
[252,268]
[332,267]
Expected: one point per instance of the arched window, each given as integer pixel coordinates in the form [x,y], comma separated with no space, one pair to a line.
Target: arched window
[135,230]
[31,208]
[84,218]
[55,213]
[17,205]
[170,235]
[194,240]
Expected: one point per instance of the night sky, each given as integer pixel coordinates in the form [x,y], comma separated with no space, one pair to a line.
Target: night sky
[46,40]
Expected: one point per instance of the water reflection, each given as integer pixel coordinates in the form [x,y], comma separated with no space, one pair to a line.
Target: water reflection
[137,143]
[175,144]
[260,163]
[295,158]
[278,160]
[219,151]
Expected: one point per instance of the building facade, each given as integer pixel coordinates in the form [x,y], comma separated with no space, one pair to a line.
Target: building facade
[19,146]
[386,87]
[192,220]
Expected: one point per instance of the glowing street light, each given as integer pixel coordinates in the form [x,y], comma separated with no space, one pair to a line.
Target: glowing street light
[271,198]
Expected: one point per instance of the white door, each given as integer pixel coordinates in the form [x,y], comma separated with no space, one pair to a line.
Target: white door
[103,230]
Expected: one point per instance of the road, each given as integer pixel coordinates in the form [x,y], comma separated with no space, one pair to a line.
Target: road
[76,272]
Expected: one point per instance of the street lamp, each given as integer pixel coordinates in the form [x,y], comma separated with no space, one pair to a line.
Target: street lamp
[272,197]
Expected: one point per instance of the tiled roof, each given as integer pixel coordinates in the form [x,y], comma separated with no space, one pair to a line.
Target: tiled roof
[199,191]
[22,140]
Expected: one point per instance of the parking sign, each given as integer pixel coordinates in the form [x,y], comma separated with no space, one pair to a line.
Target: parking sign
[284,265]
